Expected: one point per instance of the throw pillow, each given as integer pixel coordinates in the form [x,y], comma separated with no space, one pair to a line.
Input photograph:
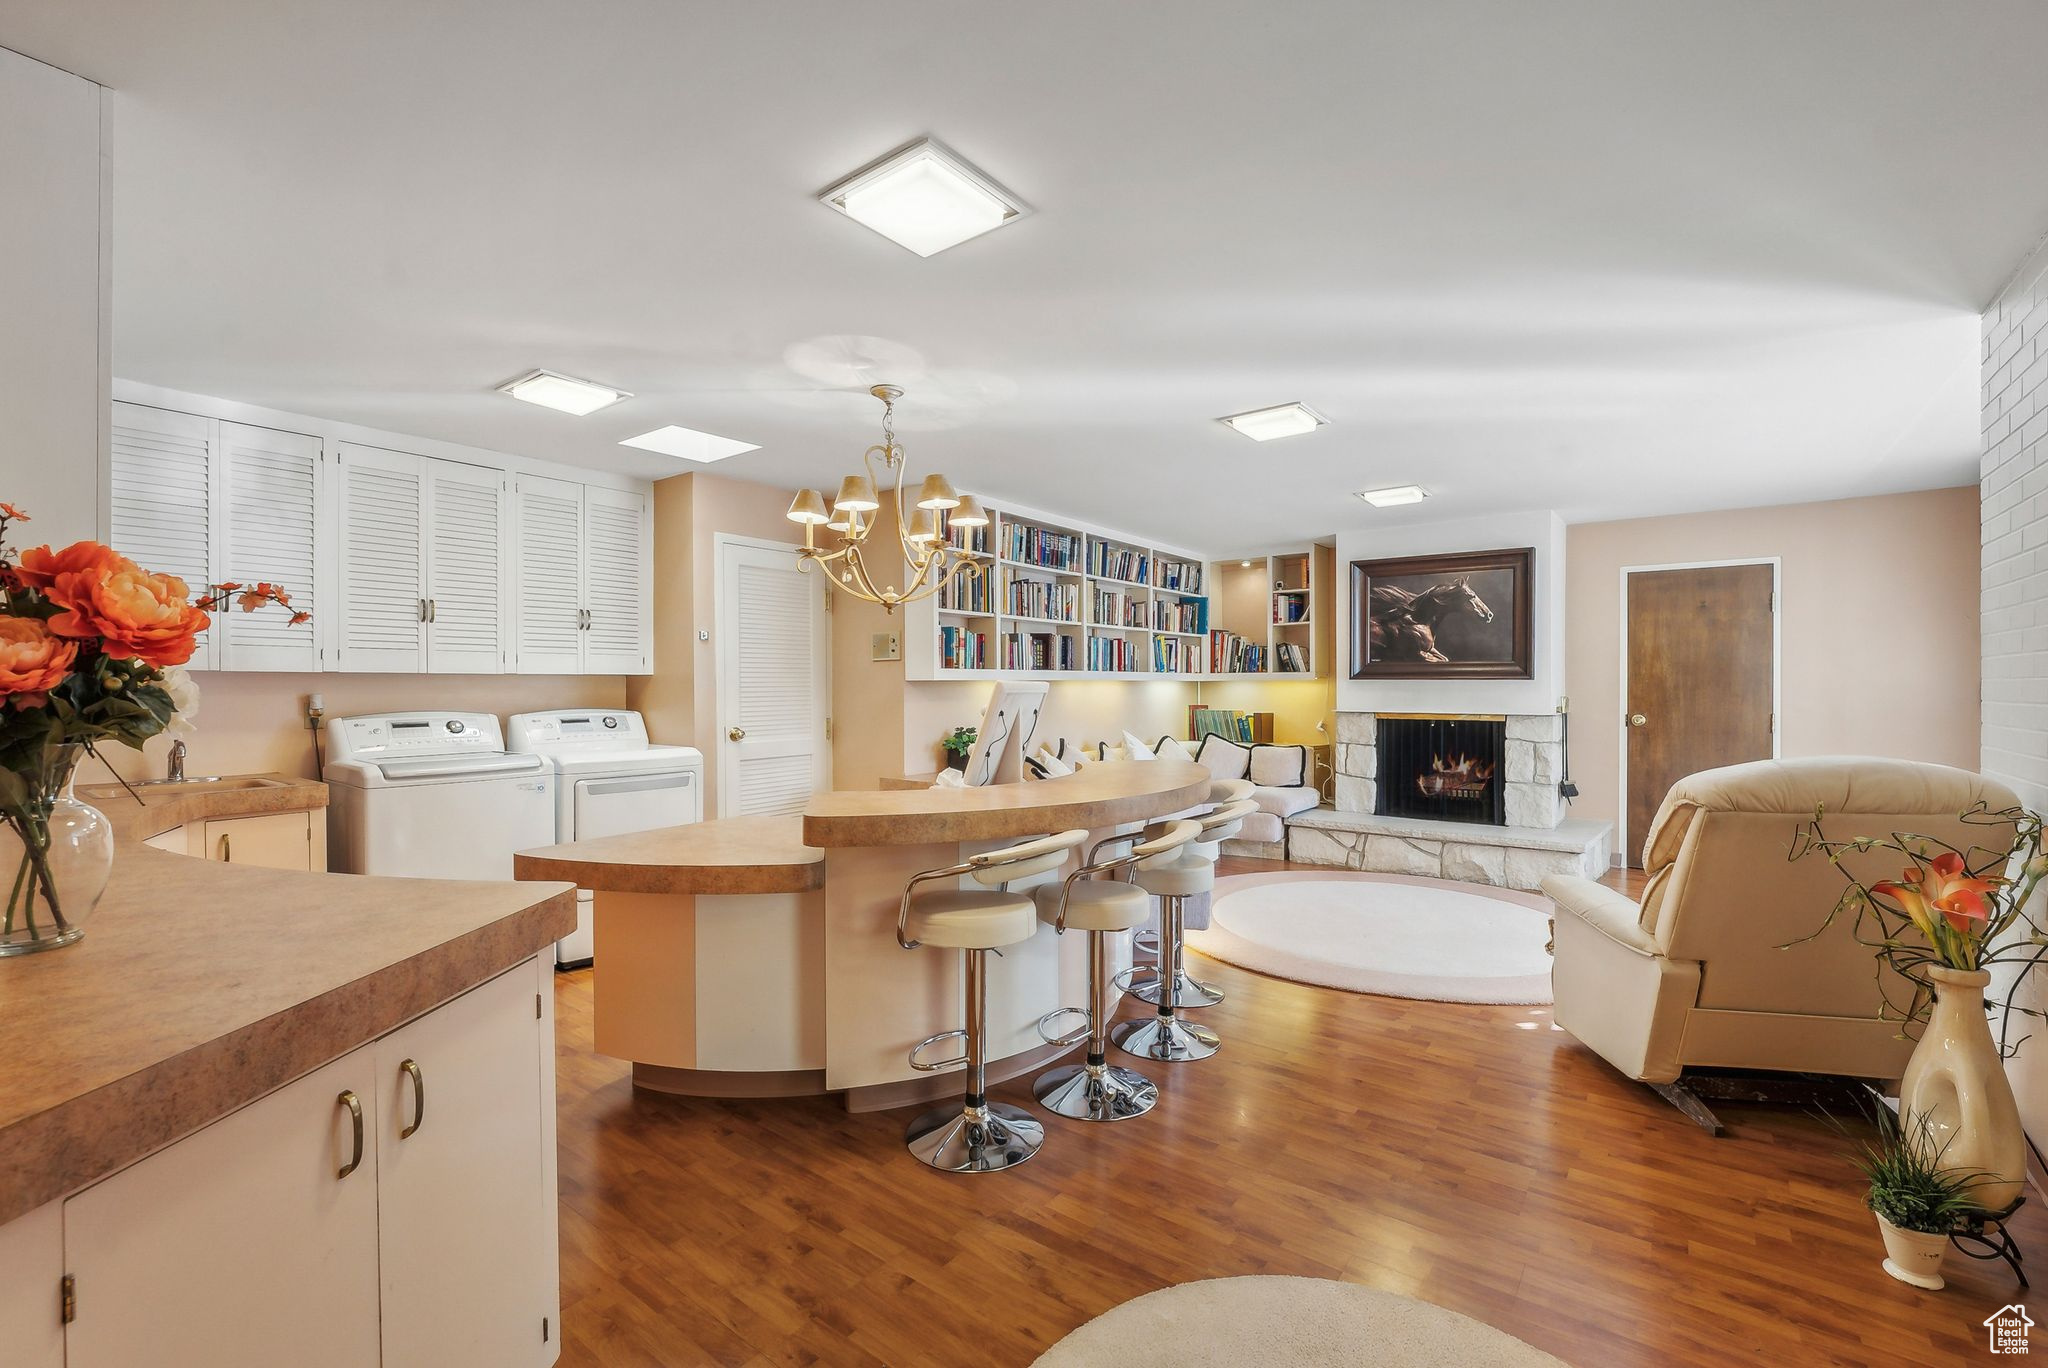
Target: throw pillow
[1279,766]
[1134,749]
[1046,765]
[1224,759]
[1172,748]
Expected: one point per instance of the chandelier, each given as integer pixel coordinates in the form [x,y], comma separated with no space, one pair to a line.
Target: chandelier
[930,561]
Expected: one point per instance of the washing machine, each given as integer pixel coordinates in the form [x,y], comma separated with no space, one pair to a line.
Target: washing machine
[609,780]
[432,795]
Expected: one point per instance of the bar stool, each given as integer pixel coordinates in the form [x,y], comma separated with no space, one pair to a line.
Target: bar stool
[1097,1090]
[977,1136]
[1189,991]
[1166,1036]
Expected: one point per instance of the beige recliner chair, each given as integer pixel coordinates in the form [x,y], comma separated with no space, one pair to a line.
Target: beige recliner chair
[1693,977]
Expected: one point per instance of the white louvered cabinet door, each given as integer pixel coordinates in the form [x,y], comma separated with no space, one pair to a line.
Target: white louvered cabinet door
[615,597]
[162,500]
[381,598]
[272,529]
[468,513]
[773,665]
[548,576]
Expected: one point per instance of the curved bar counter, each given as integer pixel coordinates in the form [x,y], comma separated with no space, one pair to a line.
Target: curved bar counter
[757,956]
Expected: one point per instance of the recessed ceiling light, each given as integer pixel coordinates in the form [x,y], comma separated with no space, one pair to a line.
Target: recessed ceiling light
[563,392]
[925,197]
[1394,495]
[1282,420]
[689,444]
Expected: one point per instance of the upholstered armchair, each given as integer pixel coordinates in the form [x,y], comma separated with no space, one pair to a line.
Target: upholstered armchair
[1693,976]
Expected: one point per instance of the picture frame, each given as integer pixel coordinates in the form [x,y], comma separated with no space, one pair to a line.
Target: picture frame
[1463,615]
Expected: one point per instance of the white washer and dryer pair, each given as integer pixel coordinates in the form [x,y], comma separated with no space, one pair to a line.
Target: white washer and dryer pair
[609,780]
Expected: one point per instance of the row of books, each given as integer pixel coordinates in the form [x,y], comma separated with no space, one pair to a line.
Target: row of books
[1044,599]
[1171,655]
[1117,562]
[967,538]
[1040,546]
[1230,653]
[965,594]
[1113,608]
[1291,606]
[1114,653]
[1176,615]
[1038,651]
[1185,576]
[960,649]
[1227,723]
[1289,658]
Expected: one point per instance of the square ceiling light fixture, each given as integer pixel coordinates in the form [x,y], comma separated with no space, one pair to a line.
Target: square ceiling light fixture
[925,197]
[689,444]
[564,393]
[1282,420]
[1393,496]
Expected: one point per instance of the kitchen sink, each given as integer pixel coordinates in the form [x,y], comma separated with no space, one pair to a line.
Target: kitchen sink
[198,783]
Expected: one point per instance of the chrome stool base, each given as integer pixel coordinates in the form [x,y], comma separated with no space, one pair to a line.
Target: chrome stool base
[1188,991]
[1166,1039]
[981,1139]
[1095,1092]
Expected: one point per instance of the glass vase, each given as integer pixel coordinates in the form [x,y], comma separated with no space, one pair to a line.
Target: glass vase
[55,856]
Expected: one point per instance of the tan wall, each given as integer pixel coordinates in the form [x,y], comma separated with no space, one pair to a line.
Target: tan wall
[1877,625]
[256,723]
[868,700]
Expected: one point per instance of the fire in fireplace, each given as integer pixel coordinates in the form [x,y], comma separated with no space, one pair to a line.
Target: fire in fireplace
[1447,768]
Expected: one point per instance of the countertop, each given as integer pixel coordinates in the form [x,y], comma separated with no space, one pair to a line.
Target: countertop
[1092,797]
[199,986]
[730,855]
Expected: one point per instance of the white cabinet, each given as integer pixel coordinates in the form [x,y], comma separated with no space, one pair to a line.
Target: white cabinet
[161,505]
[242,1244]
[272,528]
[468,535]
[277,840]
[582,600]
[31,1288]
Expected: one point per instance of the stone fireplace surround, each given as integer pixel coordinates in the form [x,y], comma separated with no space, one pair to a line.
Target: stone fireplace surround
[1538,840]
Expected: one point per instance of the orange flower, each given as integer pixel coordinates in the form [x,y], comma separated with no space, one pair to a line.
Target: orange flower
[9,513]
[136,614]
[1944,886]
[32,661]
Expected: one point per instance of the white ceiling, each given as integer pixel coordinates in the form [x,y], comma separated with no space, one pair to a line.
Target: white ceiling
[1614,258]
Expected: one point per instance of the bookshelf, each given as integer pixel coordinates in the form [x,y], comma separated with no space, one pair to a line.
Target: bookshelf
[1063,601]
[1270,616]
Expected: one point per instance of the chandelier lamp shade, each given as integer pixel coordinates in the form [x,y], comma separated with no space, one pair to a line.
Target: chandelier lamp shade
[930,561]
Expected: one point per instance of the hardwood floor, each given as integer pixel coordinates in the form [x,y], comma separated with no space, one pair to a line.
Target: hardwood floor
[1476,1157]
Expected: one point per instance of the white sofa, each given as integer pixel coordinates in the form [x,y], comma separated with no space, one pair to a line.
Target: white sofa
[1282,779]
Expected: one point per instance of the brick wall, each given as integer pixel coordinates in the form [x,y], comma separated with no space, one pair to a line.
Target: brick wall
[2015,533]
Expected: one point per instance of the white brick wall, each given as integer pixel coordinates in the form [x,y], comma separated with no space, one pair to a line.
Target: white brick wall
[2015,533]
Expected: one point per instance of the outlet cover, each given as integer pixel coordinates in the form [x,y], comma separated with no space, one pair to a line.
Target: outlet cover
[887,646]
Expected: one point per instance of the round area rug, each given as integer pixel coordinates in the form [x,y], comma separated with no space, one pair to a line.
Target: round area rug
[1285,1323]
[1384,933]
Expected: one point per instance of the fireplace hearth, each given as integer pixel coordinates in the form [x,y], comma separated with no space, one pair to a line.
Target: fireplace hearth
[1445,768]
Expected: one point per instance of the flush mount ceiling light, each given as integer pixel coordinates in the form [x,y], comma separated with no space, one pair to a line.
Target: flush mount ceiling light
[565,393]
[925,197]
[1394,495]
[689,444]
[1282,420]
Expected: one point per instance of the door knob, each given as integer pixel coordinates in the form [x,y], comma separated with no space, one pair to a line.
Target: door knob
[736,734]
[1637,720]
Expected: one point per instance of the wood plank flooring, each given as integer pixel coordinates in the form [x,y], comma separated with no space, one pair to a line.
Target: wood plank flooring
[1476,1157]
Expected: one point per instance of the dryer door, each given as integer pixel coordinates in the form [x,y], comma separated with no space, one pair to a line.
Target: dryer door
[635,802]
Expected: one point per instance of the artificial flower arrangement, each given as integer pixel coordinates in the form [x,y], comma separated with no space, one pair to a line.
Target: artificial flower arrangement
[90,645]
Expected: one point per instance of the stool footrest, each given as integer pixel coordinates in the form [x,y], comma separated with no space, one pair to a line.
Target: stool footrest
[1072,1038]
[939,1065]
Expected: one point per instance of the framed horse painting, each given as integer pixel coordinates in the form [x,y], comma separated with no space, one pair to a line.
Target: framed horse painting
[1463,616]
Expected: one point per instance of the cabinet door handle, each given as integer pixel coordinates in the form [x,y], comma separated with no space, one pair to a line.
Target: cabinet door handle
[354,1104]
[227,849]
[423,610]
[419,1098]
[433,610]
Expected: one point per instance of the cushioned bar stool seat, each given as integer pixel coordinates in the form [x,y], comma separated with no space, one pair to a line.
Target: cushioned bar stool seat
[1198,863]
[976,1136]
[1093,906]
[1166,1036]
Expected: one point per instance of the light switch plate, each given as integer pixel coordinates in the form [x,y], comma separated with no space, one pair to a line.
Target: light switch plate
[887,646]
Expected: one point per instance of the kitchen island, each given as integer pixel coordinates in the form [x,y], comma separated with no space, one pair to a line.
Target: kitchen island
[757,956]
[259,1115]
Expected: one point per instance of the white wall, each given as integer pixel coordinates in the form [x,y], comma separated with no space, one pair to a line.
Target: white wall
[53,300]
[1544,531]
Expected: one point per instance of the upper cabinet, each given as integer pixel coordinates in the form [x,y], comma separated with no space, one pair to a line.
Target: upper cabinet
[411,564]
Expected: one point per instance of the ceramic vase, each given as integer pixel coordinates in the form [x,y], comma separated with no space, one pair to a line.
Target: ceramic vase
[1913,1257]
[1955,1083]
[55,856]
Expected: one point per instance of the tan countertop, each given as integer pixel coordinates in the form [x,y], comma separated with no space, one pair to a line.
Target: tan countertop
[199,987]
[1094,796]
[730,855]
[162,807]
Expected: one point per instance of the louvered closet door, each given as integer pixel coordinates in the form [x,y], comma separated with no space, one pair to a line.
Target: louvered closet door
[548,579]
[774,680]
[272,531]
[382,594]
[468,513]
[615,596]
[162,500]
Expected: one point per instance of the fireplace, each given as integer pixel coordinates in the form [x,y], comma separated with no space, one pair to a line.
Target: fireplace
[1447,768]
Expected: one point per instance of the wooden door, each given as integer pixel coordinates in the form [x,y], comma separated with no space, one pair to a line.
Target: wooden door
[548,579]
[466,1208]
[774,684]
[278,840]
[1701,657]
[382,595]
[273,525]
[240,1244]
[468,526]
[616,620]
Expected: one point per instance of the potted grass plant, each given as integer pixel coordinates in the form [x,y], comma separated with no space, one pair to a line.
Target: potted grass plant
[1917,1199]
[958,745]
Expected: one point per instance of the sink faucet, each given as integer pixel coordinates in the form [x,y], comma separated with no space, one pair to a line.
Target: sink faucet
[177,770]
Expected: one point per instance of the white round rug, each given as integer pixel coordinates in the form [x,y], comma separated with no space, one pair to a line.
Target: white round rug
[1384,933]
[1287,1323]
